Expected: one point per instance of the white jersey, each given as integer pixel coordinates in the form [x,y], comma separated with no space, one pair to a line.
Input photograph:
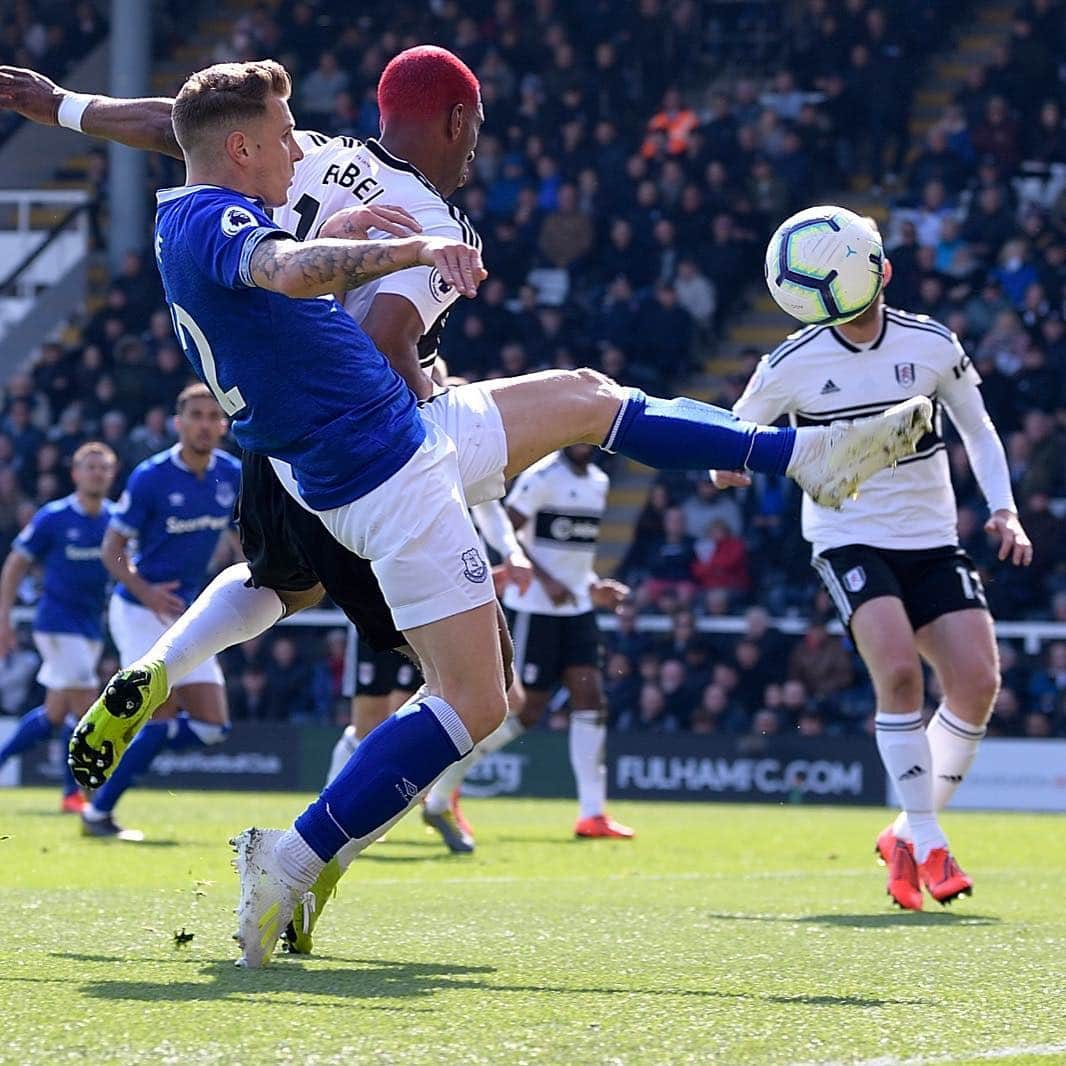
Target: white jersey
[817,376]
[340,172]
[563,510]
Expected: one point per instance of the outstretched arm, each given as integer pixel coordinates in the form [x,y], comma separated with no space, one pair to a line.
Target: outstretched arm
[303,269]
[139,123]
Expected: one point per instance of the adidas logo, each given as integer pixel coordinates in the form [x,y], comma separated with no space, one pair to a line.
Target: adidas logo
[830,386]
[914,771]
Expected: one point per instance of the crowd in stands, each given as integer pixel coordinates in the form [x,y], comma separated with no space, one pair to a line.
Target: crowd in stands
[624,192]
[47,36]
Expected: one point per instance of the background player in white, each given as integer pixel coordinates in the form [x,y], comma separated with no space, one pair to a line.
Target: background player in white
[164,532]
[63,540]
[556,507]
[891,561]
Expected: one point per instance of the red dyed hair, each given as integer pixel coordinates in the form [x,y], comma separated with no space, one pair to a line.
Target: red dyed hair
[423,83]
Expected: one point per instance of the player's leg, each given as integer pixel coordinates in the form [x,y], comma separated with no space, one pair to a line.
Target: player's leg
[582,653]
[549,410]
[417,533]
[242,602]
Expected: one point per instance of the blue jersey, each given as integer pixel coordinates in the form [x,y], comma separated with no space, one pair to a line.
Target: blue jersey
[65,540]
[299,379]
[177,518]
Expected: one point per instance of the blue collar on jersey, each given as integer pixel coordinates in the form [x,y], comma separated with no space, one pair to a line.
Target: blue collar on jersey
[175,457]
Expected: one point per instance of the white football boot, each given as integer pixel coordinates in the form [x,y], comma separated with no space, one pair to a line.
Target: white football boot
[849,453]
[267,899]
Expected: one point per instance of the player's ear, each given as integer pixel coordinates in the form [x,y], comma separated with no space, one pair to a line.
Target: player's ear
[455,122]
[236,146]
[887,272]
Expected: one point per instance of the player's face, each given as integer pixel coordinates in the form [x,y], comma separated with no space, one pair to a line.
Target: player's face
[275,152]
[93,475]
[465,148]
[201,425]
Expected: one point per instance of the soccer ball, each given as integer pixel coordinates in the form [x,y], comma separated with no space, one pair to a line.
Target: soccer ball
[825,265]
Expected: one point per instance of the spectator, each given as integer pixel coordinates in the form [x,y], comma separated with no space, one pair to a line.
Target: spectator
[721,561]
[820,662]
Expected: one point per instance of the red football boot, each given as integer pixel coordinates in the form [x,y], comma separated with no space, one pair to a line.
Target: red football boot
[599,825]
[886,843]
[903,884]
[75,803]
[460,818]
[943,877]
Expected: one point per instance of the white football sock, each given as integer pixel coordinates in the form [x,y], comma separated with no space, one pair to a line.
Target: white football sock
[953,744]
[587,739]
[904,749]
[227,612]
[810,441]
[439,796]
[343,750]
[297,860]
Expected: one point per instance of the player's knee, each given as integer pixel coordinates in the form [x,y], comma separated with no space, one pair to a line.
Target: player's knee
[598,396]
[974,694]
[301,601]
[901,684]
[485,717]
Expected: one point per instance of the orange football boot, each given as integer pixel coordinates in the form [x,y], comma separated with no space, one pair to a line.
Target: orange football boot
[903,884]
[943,877]
[75,803]
[599,825]
[460,818]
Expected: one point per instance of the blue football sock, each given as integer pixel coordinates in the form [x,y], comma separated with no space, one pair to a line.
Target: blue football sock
[391,766]
[186,732]
[33,727]
[147,744]
[70,786]
[685,434]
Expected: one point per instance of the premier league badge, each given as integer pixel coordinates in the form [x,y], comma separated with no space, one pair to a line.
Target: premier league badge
[905,374]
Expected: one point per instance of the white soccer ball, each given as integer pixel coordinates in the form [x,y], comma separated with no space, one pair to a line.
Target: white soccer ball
[825,265]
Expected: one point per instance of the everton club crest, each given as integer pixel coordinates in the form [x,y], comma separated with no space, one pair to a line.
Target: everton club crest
[474,567]
[905,374]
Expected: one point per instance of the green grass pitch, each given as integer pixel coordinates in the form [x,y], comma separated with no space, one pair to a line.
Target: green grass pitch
[722,934]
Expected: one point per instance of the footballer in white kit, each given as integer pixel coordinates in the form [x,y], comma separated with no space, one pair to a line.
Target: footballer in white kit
[891,562]
[556,507]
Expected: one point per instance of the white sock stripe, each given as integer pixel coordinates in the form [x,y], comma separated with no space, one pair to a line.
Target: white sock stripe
[336,823]
[616,425]
[897,723]
[446,714]
[947,717]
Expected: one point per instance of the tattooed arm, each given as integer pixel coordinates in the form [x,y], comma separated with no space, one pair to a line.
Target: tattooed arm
[320,267]
[141,123]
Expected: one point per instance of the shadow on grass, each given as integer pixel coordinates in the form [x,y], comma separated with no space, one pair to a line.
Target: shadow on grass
[379,979]
[886,920]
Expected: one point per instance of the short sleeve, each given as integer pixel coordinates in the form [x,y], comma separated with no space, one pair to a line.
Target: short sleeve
[134,506]
[529,493]
[423,286]
[221,237]
[35,540]
[764,399]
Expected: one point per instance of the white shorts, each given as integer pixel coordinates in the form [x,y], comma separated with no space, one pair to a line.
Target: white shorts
[68,660]
[417,533]
[468,414]
[134,629]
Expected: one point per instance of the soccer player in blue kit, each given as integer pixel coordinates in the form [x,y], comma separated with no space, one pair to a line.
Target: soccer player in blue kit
[63,538]
[176,506]
[304,385]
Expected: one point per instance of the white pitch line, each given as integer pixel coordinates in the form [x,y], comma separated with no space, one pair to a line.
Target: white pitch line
[960,1056]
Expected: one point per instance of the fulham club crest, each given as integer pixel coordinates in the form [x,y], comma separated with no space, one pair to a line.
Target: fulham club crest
[855,578]
[905,374]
